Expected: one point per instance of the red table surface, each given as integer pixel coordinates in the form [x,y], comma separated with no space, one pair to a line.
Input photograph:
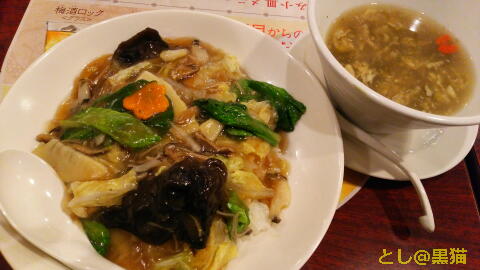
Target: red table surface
[383,215]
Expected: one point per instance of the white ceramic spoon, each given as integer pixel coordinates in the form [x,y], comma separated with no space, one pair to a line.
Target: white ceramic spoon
[30,198]
[427,221]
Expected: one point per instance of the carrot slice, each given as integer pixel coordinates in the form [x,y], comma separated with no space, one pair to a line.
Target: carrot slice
[445,44]
[448,48]
[147,101]
[443,39]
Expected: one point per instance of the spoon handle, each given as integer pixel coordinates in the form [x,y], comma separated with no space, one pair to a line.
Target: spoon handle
[427,221]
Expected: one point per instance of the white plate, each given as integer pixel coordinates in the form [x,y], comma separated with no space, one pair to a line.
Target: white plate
[315,150]
[352,182]
[426,152]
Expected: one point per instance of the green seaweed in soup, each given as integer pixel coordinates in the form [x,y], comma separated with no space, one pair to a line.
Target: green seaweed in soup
[404,56]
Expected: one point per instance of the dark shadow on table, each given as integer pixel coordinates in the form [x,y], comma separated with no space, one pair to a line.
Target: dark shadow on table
[384,190]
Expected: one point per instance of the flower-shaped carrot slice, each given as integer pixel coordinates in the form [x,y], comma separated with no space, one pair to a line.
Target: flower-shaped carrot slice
[147,101]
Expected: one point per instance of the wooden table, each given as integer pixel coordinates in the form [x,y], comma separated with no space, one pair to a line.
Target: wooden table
[383,215]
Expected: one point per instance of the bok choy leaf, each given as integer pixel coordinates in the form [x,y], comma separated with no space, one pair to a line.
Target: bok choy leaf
[235,115]
[122,127]
[236,206]
[98,235]
[289,109]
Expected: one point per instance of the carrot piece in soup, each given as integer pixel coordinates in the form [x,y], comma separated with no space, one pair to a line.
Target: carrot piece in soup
[448,48]
[445,44]
[443,39]
[147,101]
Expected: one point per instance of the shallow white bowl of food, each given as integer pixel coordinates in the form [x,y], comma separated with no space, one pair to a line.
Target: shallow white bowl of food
[371,110]
[315,151]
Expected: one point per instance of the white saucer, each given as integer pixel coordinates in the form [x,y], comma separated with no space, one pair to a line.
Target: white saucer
[426,152]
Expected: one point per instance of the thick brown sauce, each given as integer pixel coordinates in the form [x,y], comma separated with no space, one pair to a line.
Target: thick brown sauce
[126,249]
[94,69]
[130,252]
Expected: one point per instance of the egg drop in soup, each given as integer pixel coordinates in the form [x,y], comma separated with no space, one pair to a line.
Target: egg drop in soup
[405,56]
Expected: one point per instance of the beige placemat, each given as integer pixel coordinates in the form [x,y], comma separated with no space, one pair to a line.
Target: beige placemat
[48,21]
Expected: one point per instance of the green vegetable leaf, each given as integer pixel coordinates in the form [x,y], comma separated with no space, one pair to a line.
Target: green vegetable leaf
[236,206]
[161,122]
[122,127]
[289,109]
[235,115]
[243,91]
[98,235]
[114,101]
[80,133]
[238,133]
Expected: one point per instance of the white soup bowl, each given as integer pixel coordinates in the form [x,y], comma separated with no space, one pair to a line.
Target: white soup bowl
[369,109]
